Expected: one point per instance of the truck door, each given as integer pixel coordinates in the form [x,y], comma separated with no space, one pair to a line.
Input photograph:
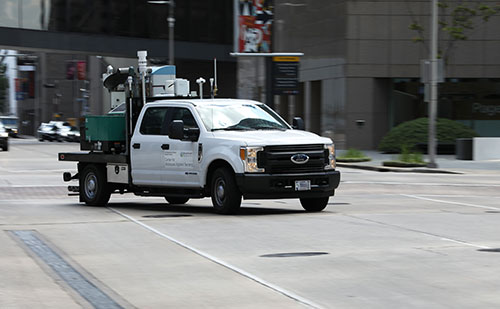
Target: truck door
[180,157]
[146,151]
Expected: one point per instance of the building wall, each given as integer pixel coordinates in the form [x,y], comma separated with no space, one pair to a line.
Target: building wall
[358,48]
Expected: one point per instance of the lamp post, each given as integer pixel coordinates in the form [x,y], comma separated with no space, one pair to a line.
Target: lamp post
[171,24]
[431,144]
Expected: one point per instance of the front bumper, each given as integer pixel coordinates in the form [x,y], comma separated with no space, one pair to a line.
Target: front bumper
[265,186]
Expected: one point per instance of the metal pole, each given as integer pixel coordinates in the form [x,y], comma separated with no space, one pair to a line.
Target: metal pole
[431,148]
[171,24]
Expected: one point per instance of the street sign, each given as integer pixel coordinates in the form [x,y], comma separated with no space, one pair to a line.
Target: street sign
[425,71]
[285,75]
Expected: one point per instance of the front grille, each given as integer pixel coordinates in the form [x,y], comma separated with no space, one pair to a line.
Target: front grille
[277,159]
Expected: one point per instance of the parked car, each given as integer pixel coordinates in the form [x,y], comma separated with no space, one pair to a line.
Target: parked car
[70,134]
[4,138]
[10,124]
[52,131]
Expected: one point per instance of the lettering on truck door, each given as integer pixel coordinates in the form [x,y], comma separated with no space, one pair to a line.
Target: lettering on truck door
[180,158]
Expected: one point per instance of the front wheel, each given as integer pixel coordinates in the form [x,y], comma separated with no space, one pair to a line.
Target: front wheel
[314,204]
[94,188]
[226,197]
[177,200]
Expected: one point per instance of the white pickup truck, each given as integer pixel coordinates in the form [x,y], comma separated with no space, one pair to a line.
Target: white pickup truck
[182,148]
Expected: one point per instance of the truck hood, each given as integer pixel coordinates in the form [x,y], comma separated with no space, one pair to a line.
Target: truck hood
[267,138]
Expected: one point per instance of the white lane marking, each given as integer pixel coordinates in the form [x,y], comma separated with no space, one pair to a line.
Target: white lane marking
[222,263]
[422,184]
[449,202]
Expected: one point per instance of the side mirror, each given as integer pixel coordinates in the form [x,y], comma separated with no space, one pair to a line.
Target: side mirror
[298,123]
[176,130]
[192,134]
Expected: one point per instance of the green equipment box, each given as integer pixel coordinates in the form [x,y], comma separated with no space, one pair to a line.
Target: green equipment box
[105,128]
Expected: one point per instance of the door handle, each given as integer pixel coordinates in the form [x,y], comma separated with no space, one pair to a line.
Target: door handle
[165,146]
[136,146]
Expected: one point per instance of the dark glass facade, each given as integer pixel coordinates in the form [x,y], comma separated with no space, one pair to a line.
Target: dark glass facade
[204,21]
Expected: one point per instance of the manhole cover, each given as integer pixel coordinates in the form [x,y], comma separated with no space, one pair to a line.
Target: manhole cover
[497,250]
[166,216]
[294,254]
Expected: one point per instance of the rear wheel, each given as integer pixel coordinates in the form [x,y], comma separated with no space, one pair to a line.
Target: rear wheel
[226,197]
[94,188]
[314,204]
[177,200]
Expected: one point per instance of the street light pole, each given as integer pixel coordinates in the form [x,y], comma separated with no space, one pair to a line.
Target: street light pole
[171,26]
[431,144]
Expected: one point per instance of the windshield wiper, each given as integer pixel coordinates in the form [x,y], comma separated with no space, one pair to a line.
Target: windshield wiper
[270,128]
[230,129]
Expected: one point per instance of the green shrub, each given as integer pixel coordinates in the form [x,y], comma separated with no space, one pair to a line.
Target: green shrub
[353,155]
[410,157]
[414,132]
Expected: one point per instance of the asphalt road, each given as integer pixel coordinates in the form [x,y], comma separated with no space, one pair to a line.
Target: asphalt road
[401,240]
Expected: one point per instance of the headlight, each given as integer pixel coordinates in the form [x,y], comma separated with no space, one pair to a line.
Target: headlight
[249,157]
[331,157]
[4,134]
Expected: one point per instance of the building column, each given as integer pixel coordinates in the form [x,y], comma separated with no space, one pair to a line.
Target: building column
[307,105]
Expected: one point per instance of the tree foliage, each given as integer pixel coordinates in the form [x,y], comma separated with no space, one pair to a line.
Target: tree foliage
[457,20]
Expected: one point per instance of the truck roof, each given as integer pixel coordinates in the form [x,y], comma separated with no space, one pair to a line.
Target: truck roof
[201,102]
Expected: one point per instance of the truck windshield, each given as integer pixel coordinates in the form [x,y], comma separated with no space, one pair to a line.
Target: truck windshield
[233,117]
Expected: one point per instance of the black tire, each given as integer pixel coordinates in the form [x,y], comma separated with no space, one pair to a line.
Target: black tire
[226,197]
[314,204]
[177,200]
[94,188]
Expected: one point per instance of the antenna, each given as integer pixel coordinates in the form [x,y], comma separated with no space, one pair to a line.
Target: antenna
[212,87]
[200,81]
[215,78]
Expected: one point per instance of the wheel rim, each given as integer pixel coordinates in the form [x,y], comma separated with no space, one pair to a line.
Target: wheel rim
[220,191]
[90,185]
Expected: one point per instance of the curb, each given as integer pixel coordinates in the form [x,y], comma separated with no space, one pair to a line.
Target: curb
[397,169]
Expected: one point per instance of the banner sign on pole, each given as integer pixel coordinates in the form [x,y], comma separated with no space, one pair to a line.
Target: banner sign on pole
[255,20]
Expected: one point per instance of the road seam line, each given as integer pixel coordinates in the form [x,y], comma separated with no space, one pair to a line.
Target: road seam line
[222,263]
[449,202]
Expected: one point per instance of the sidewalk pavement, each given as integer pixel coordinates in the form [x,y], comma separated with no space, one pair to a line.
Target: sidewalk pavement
[447,164]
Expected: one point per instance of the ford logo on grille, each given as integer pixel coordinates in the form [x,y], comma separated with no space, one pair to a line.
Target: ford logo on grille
[299,158]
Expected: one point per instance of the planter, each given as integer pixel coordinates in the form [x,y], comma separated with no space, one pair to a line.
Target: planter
[353,160]
[403,164]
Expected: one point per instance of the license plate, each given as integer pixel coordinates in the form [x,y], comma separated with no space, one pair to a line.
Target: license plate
[302,185]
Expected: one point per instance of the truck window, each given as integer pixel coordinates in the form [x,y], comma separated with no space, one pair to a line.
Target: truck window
[157,120]
[152,121]
[178,113]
